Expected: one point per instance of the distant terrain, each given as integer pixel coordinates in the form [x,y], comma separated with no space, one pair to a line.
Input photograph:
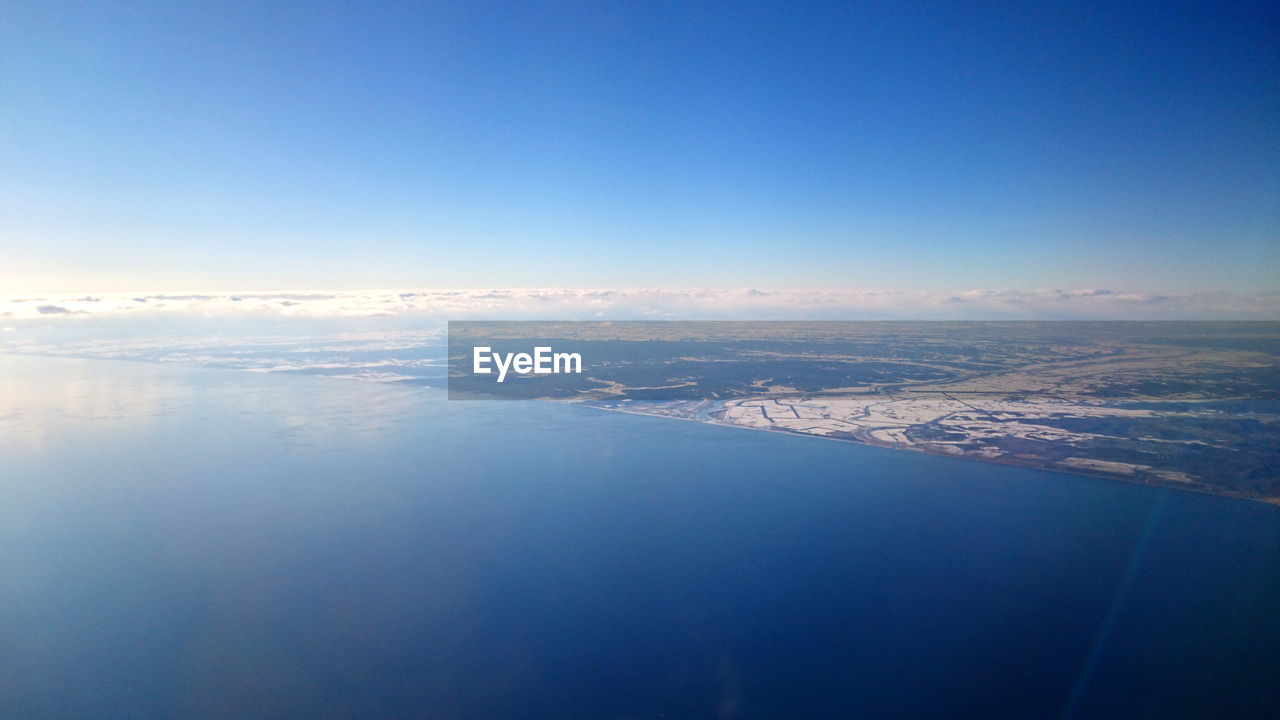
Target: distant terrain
[1189,405]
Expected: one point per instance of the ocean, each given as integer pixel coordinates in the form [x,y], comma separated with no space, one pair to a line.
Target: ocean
[188,542]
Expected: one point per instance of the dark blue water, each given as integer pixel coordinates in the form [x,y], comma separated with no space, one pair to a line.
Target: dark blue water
[177,542]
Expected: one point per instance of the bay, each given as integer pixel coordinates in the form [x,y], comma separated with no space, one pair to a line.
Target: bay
[187,542]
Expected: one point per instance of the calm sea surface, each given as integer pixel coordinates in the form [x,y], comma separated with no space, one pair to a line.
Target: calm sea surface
[187,543]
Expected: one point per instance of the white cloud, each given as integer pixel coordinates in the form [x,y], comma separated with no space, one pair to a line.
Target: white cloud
[746,303]
[399,334]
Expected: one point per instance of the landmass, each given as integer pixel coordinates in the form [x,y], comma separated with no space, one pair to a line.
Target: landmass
[1194,406]
[1190,405]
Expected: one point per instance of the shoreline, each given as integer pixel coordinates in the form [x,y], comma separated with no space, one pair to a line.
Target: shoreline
[1014,462]
[419,383]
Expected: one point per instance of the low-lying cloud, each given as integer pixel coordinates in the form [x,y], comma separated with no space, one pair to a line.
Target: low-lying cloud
[747,303]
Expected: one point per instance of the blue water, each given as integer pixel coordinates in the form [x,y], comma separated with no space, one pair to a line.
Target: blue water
[181,542]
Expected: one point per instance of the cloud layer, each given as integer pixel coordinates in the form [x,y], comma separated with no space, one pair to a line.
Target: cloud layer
[1089,304]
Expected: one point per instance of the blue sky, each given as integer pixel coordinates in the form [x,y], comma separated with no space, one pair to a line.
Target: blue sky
[661,145]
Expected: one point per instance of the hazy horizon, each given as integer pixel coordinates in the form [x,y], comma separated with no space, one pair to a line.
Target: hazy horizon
[641,303]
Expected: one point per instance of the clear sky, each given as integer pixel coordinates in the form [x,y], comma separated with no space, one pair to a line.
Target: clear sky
[783,145]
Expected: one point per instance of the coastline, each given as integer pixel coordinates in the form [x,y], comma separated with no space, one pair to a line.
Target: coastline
[1011,461]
